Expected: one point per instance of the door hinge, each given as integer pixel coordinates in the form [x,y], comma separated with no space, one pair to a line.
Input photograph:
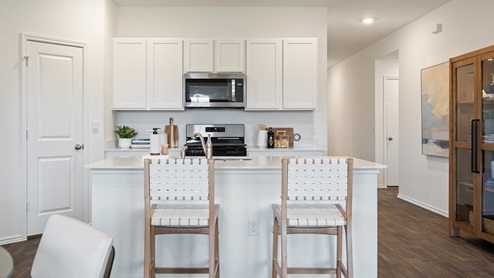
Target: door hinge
[27,206]
[27,134]
[27,60]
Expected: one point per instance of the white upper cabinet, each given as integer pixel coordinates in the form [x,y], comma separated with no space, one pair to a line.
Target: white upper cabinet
[164,74]
[229,55]
[282,74]
[207,55]
[300,74]
[147,74]
[264,74]
[129,73]
[198,55]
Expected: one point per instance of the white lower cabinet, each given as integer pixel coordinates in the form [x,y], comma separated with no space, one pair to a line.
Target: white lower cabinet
[147,74]
[282,74]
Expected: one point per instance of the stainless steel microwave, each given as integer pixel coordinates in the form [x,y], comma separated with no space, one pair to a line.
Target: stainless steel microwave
[214,90]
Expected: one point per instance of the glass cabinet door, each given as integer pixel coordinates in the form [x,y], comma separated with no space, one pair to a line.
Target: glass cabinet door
[465,112]
[464,187]
[487,186]
[464,101]
[488,100]
[488,193]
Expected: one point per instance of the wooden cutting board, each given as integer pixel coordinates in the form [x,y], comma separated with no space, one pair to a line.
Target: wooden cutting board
[289,133]
[168,132]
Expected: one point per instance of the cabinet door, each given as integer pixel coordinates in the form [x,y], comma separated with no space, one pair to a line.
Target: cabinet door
[229,56]
[164,74]
[300,74]
[198,55]
[486,223]
[129,73]
[463,158]
[264,74]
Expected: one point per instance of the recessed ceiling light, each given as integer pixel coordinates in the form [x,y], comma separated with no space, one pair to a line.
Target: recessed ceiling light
[367,20]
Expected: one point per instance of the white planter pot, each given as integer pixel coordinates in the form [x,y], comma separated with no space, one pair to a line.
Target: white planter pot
[124,143]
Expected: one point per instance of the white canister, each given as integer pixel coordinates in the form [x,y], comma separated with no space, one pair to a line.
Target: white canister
[262,138]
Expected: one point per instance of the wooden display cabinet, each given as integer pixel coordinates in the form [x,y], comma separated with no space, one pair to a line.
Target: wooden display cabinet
[471,162]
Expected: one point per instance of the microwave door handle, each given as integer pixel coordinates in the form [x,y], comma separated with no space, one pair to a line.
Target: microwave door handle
[233,91]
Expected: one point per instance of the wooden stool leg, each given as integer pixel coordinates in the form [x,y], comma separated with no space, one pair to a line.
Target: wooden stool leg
[275,248]
[349,253]
[212,244]
[152,246]
[217,250]
[284,253]
[147,251]
[339,251]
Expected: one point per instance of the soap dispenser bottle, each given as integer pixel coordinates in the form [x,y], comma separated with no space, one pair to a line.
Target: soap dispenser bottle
[155,147]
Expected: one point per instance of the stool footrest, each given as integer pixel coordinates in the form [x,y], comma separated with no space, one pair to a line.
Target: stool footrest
[302,270]
[181,270]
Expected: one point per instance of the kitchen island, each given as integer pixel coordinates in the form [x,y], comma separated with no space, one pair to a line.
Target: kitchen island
[245,190]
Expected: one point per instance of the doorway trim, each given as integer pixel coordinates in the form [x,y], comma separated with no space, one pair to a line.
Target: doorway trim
[23,59]
[385,124]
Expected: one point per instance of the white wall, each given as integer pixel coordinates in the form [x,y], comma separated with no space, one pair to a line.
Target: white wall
[233,22]
[423,179]
[76,20]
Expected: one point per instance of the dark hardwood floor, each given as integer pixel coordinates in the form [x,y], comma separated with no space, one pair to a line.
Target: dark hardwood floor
[413,242]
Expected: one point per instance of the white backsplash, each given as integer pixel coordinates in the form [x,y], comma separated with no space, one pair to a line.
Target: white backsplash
[302,122]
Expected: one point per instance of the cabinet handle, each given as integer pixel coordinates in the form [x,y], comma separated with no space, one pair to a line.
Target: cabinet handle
[474,141]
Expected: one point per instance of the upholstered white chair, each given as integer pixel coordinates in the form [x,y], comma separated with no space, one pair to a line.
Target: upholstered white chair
[179,199]
[70,248]
[312,189]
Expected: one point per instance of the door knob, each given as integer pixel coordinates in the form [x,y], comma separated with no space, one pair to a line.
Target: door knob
[390,138]
[79,146]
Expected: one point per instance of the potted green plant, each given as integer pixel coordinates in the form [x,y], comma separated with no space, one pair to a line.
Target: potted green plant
[125,134]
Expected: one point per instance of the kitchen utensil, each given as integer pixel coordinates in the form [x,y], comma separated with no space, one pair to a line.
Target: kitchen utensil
[172,134]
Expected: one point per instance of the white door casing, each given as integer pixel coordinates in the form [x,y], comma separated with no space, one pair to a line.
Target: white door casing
[391,131]
[53,78]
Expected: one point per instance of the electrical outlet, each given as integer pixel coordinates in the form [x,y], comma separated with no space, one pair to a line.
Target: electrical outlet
[253,227]
[150,131]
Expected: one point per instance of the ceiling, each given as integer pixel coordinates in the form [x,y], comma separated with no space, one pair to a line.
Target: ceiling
[346,34]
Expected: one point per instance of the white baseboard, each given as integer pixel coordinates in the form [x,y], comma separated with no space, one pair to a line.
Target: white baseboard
[422,205]
[13,239]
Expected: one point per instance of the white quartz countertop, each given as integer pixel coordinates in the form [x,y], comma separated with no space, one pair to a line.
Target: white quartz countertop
[248,163]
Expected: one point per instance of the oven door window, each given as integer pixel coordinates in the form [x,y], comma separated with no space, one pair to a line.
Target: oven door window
[208,90]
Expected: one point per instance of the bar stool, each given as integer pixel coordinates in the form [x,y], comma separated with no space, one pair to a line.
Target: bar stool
[179,199]
[310,189]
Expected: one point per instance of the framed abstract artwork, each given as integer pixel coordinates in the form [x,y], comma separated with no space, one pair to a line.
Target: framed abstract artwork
[435,110]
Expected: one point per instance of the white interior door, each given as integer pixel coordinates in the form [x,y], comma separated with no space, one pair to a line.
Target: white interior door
[54,78]
[391,130]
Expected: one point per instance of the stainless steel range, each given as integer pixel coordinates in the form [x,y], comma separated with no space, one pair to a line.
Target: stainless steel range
[228,139]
